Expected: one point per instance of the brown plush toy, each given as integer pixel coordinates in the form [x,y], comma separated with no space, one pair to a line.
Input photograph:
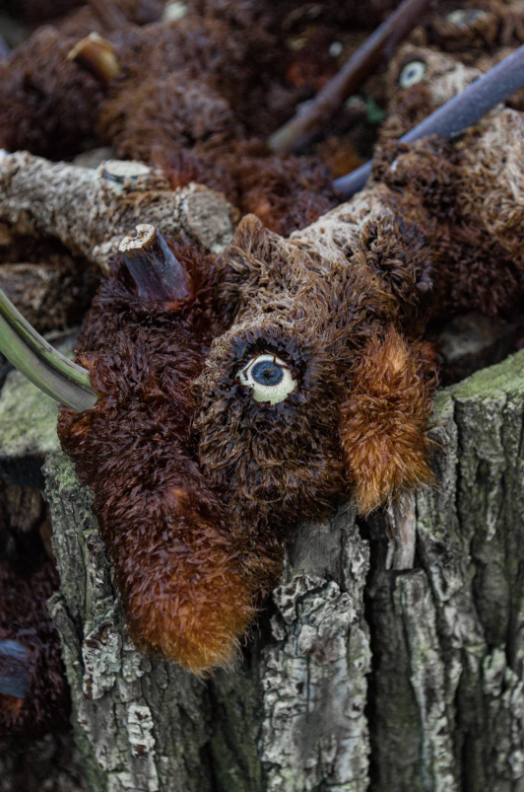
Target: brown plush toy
[447,55]
[202,452]
[241,393]
[180,561]
[197,97]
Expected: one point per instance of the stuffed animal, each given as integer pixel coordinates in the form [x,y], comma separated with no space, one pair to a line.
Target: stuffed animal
[237,394]
[301,379]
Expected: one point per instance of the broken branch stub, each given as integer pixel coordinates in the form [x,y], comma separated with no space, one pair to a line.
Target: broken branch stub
[97,55]
[155,269]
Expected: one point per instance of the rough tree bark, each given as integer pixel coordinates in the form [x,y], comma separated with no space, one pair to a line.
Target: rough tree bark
[90,210]
[390,657]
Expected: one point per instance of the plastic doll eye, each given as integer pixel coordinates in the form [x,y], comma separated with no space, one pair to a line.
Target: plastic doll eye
[411,74]
[268,377]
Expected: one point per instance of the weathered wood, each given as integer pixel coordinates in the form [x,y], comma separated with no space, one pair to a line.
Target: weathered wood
[447,636]
[91,210]
[140,724]
[362,674]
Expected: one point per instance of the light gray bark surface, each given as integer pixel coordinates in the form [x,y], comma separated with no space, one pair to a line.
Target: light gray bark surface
[141,725]
[390,657]
[447,636]
[90,211]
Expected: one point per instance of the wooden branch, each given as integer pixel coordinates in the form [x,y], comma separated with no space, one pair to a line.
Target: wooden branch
[90,211]
[109,14]
[296,132]
[497,85]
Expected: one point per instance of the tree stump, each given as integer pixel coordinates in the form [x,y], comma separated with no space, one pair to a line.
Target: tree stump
[390,657]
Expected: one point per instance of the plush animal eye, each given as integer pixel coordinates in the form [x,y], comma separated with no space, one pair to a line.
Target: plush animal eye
[464,16]
[268,377]
[411,74]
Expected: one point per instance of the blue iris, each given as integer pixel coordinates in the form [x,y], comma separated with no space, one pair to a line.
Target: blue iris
[267,373]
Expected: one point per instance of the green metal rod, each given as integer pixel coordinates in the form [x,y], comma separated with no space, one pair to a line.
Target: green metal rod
[50,371]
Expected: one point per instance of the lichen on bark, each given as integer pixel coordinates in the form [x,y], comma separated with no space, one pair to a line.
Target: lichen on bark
[91,210]
[362,674]
[139,721]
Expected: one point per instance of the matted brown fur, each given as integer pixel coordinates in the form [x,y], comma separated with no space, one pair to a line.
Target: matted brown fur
[36,11]
[25,587]
[482,28]
[414,247]
[195,482]
[47,104]
[279,463]
[384,422]
[343,304]
[198,97]
[455,50]
[189,576]
[444,78]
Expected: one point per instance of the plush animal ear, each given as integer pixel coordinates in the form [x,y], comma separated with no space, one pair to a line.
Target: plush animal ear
[383,423]
[255,245]
[250,234]
[252,258]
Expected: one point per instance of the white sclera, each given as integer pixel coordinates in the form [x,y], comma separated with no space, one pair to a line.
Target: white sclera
[464,16]
[273,394]
[412,73]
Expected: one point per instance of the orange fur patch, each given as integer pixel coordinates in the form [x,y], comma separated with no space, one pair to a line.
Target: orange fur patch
[383,424]
[188,601]
[191,606]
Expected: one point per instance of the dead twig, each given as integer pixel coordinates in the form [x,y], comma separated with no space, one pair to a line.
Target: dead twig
[109,14]
[296,132]
[465,109]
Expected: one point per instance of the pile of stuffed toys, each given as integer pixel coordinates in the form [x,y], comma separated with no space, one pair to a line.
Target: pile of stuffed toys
[240,392]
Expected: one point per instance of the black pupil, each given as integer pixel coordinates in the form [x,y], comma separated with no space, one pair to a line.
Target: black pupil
[267,373]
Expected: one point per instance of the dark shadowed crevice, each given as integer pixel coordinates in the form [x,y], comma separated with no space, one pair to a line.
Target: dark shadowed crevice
[371,705]
[235,702]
